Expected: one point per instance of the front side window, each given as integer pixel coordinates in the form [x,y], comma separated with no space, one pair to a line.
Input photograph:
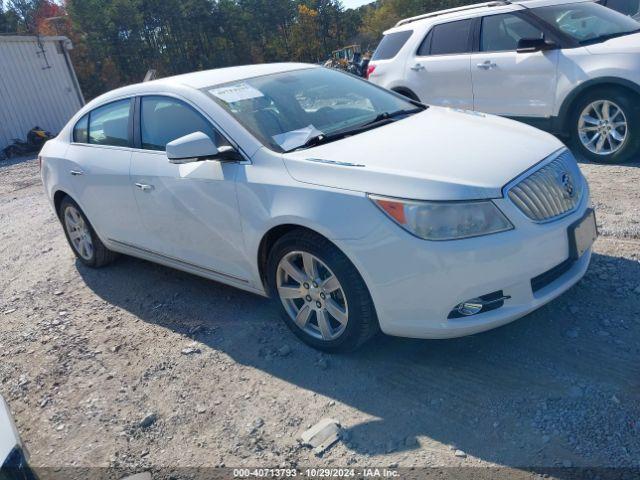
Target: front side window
[451,38]
[391,45]
[502,33]
[81,130]
[285,110]
[587,22]
[164,119]
[109,124]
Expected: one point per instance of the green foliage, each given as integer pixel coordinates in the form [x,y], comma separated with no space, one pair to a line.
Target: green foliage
[117,41]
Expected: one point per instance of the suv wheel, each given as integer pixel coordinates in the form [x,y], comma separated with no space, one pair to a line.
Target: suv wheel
[82,237]
[322,297]
[605,127]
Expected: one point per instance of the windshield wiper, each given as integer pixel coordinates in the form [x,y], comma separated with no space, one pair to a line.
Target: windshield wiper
[604,38]
[381,119]
[391,115]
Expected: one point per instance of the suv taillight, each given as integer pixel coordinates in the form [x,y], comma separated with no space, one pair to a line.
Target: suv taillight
[370,70]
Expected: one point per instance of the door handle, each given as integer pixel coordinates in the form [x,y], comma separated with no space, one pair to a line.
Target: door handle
[488,65]
[418,67]
[144,188]
[76,173]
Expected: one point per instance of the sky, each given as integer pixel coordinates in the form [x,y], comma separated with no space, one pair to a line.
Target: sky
[355,3]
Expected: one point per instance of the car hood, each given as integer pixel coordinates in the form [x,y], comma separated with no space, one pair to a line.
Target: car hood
[438,154]
[626,44]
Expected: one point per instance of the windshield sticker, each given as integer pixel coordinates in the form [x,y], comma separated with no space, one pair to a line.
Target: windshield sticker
[296,138]
[236,93]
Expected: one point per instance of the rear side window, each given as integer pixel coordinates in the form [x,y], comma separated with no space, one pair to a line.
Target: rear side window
[109,124]
[502,33]
[81,130]
[391,45]
[451,38]
[164,119]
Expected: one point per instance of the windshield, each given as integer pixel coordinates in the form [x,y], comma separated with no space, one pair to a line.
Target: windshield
[286,111]
[587,22]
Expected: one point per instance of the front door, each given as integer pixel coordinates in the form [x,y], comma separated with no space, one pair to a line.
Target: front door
[439,72]
[509,83]
[190,211]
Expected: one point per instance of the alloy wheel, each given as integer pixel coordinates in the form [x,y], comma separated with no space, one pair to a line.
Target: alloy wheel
[312,295]
[603,127]
[78,233]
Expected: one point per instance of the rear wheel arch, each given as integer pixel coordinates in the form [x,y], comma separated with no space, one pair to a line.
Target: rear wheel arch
[58,197]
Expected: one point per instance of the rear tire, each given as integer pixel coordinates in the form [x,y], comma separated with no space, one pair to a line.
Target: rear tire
[605,126]
[322,297]
[82,238]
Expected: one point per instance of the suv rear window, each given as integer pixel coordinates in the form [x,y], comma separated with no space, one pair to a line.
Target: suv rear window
[391,45]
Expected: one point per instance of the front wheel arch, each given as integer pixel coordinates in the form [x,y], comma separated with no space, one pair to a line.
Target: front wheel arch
[270,238]
[567,110]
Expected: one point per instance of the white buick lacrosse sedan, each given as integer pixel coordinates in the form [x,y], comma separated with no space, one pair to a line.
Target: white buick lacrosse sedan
[356,209]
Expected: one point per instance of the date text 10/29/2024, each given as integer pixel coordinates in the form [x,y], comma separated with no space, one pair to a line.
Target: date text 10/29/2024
[315,473]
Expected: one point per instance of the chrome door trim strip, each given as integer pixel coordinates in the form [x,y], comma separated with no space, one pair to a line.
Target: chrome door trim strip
[180,262]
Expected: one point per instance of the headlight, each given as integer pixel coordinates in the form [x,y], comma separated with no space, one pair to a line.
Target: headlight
[444,220]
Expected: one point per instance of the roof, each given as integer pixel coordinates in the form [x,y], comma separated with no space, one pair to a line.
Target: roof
[207,78]
[479,9]
[203,79]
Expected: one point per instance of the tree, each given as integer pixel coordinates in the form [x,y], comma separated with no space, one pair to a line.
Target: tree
[305,35]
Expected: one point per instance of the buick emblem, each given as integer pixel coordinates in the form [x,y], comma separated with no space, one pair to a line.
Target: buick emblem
[567,184]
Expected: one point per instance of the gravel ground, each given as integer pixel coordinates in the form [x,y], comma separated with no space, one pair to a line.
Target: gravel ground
[138,366]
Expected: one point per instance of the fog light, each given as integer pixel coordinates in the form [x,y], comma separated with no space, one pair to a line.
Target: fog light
[470,307]
[483,304]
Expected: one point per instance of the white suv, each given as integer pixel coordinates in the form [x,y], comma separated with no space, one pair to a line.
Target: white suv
[570,67]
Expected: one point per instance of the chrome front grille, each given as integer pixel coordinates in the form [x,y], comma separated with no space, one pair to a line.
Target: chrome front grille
[550,192]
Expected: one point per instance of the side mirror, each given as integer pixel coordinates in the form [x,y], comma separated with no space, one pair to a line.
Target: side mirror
[532,45]
[196,147]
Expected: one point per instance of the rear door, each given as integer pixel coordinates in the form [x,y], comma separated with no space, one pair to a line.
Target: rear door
[439,72]
[509,83]
[100,157]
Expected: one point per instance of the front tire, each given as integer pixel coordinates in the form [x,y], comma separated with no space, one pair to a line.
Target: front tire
[605,127]
[81,236]
[322,297]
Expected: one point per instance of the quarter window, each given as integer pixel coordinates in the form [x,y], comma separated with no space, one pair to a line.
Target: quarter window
[502,33]
[164,119]
[391,45]
[451,38]
[81,130]
[109,124]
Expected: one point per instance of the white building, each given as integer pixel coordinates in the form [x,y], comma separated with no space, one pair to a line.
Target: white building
[38,85]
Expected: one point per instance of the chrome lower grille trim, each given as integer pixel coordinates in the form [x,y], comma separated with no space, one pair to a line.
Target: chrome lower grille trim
[550,192]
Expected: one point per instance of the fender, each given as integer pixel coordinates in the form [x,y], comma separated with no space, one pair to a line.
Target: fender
[565,109]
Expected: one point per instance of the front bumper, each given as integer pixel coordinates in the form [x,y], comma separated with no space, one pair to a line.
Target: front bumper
[415,284]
